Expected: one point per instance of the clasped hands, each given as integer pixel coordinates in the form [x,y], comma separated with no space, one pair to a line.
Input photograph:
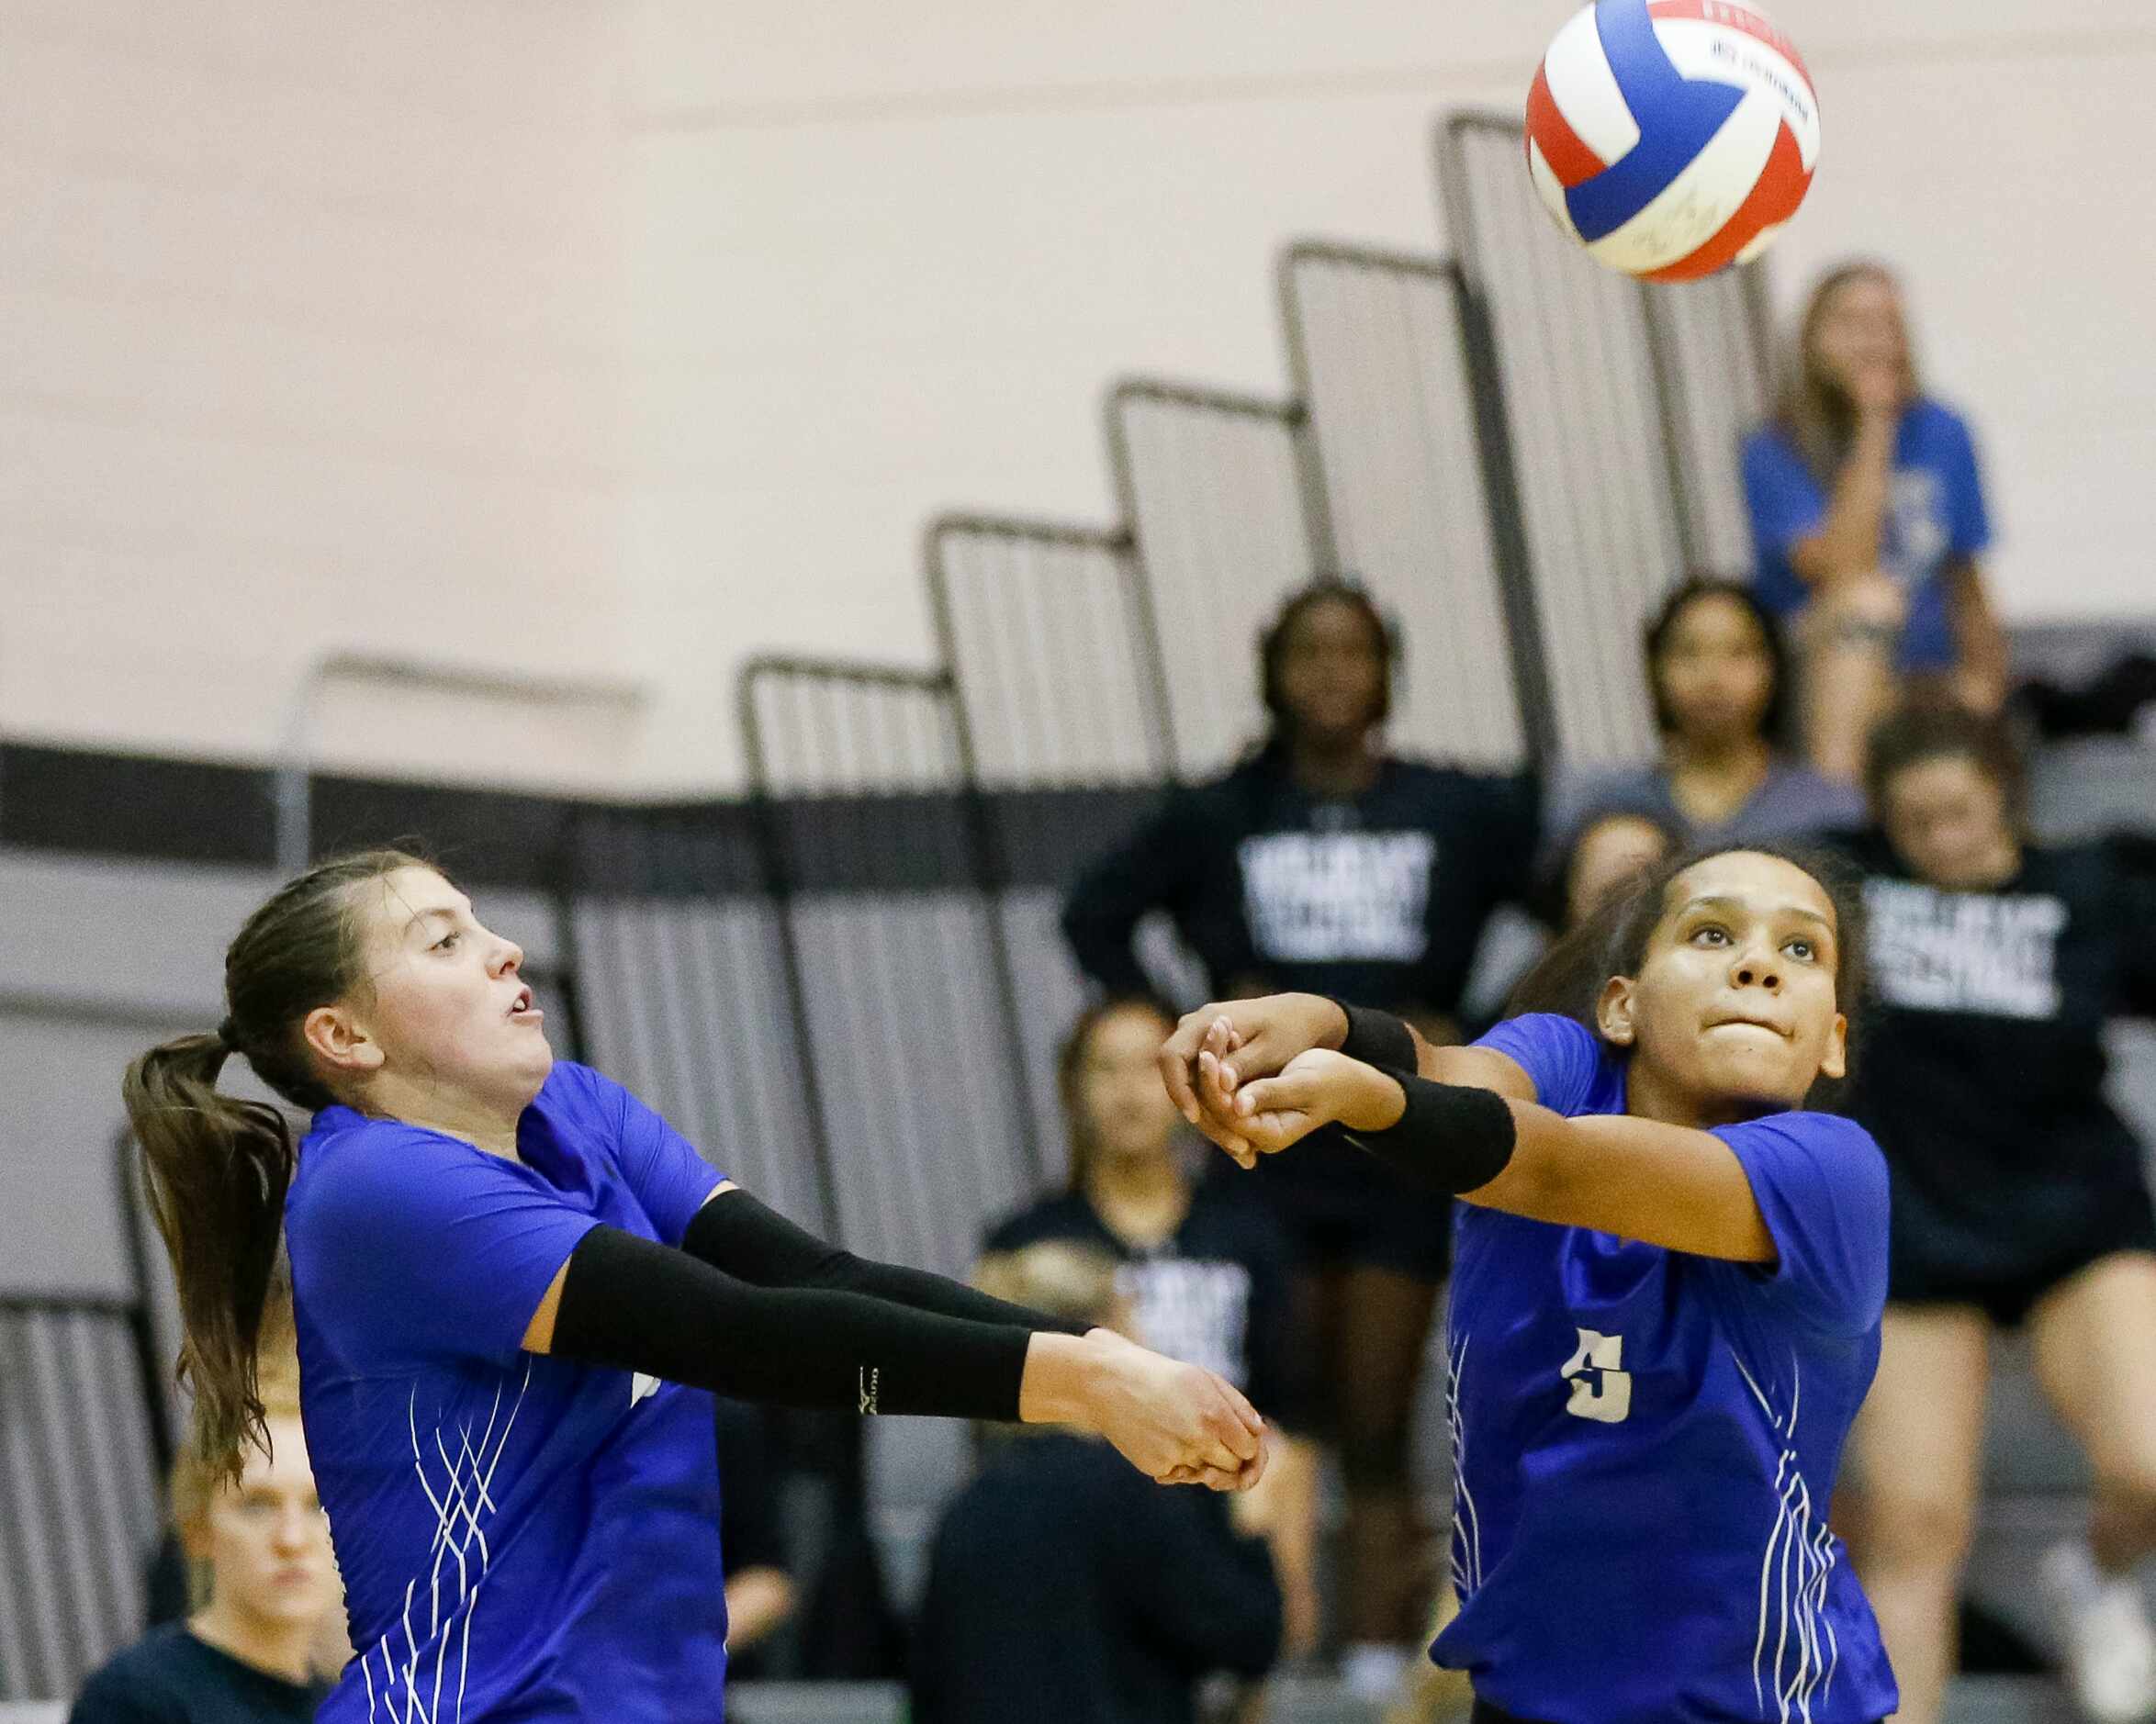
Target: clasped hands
[1256,1075]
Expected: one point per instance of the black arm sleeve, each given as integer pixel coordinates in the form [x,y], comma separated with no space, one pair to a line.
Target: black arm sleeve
[1101,915]
[1453,1137]
[748,1241]
[635,1305]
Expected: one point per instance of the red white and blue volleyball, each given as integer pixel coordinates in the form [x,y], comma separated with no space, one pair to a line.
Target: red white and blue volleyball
[1671,138]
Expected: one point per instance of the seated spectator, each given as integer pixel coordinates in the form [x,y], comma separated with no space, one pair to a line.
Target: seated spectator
[1868,518]
[1322,862]
[175,1586]
[1201,1264]
[2019,1197]
[1064,1588]
[248,1654]
[1609,851]
[752,1548]
[1717,676]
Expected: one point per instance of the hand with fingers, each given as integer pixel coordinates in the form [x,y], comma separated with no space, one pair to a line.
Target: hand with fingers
[1178,1424]
[1218,1047]
[1318,1088]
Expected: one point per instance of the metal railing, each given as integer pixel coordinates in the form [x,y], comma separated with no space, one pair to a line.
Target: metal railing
[1227,516]
[83,1449]
[1383,349]
[296,755]
[1623,403]
[1063,712]
[896,969]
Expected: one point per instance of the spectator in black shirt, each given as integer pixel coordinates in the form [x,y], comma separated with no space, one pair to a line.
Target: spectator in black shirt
[752,1548]
[2018,1195]
[1059,1593]
[1323,863]
[244,1657]
[1202,1264]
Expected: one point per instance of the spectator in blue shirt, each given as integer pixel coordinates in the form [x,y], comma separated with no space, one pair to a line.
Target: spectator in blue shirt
[1868,520]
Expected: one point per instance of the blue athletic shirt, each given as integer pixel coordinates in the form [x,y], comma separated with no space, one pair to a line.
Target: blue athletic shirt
[1934,516]
[519,1536]
[1645,1440]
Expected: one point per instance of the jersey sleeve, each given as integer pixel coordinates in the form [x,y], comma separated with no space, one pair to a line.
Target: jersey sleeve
[1821,1184]
[427,1246]
[1560,1054]
[660,1165]
[1782,497]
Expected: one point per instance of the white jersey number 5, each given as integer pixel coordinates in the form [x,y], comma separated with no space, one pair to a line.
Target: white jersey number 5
[1599,1390]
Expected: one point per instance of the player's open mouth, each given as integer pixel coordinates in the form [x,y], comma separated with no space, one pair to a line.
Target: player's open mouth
[522,1006]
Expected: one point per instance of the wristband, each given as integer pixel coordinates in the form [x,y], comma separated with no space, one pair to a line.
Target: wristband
[1451,1137]
[1377,1039]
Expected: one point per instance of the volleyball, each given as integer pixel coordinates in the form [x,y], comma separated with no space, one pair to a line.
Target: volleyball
[1671,138]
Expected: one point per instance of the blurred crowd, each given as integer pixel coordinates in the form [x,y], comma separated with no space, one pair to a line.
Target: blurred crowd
[1852,691]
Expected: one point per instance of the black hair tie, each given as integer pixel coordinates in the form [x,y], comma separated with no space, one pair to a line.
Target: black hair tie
[229,1037]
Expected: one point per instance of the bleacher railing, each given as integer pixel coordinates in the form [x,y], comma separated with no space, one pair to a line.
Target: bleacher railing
[82,1450]
[897,971]
[1062,706]
[1623,403]
[1382,347]
[1225,517]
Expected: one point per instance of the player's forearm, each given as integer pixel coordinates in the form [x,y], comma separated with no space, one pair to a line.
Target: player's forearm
[635,1305]
[1640,1179]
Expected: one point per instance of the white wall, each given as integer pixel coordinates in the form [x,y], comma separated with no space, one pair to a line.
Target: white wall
[632,338]
[313,317]
[890,255]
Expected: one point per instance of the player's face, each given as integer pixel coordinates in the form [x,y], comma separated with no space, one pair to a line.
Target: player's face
[1608,853]
[1947,820]
[1126,1107]
[1734,1003]
[1331,670]
[1715,671]
[446,1004]
[1859,328]
[266,1540]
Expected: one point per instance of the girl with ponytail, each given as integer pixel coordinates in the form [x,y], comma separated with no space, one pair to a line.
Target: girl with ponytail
[509,1279]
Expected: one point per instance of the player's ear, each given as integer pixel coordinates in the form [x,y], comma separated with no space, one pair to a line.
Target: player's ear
[1613,1011]
[1835,1061]
[340,1042]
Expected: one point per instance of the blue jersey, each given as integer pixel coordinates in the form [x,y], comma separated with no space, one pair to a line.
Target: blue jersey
[1645,1440]
[519,1536]
[1934,516]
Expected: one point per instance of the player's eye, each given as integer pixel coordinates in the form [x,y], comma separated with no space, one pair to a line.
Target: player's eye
[447,941]
[1804,950]
[1710,933]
